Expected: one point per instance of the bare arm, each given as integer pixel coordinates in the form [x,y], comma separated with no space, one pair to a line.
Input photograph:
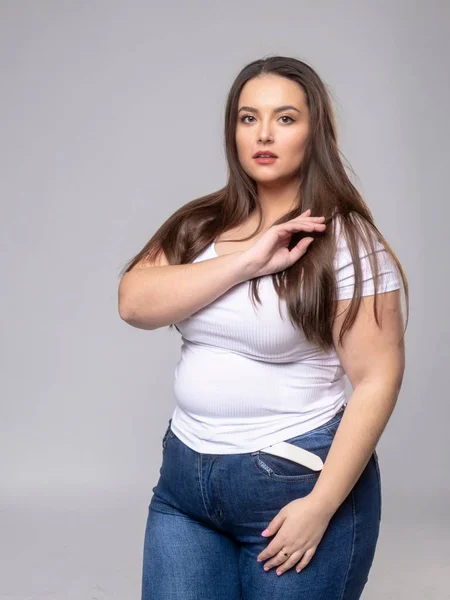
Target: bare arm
[153,296]
[374,360]
[159,294]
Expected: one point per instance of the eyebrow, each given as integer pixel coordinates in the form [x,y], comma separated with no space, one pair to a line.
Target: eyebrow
[275,110]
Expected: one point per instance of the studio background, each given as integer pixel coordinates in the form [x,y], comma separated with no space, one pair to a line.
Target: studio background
[112,117]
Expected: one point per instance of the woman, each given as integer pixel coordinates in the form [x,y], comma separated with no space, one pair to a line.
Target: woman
[269,484]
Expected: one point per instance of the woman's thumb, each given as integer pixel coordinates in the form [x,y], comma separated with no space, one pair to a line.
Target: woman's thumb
[309,240]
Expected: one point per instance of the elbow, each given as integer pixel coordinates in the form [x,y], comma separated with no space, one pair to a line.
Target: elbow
[124,306]
[125,314]
[383,383]
[138,312]
[137,319]
[133,319]
[128,313]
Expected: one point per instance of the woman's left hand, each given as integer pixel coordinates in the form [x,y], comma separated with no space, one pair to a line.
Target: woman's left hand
[299,527]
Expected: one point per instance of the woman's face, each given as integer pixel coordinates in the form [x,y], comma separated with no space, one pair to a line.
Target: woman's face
[262,127]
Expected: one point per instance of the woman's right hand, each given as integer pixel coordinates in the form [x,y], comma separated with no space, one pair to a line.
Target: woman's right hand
[270,253]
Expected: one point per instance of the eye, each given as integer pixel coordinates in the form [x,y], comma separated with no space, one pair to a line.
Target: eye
[287,117]
[283,117]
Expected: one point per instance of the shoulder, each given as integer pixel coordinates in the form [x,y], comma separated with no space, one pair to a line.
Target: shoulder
[369,251]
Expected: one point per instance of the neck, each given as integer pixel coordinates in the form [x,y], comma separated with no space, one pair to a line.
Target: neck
[276,200]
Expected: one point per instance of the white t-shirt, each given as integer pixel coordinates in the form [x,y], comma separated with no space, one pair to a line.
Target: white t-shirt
[247,378]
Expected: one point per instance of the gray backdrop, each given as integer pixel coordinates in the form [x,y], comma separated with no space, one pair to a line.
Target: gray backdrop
[112,117]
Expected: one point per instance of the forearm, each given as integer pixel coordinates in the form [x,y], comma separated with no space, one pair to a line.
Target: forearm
[364,420]
[157,296]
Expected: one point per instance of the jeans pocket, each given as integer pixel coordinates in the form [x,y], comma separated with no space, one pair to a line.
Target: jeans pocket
[284,469]
[318,441]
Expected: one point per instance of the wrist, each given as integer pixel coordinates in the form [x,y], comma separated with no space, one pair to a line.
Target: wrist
[245,268]
[323,504]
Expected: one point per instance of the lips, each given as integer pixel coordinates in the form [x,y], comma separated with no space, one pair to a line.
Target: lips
[269,154]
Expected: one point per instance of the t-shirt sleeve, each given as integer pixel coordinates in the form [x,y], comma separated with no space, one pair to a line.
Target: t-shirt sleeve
[388,275]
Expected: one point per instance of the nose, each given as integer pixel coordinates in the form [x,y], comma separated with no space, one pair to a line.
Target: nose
[265,135]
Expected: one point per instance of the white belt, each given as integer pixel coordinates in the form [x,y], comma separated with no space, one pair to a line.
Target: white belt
[296,454]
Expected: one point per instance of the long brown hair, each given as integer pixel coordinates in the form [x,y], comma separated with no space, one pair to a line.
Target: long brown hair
[324,187]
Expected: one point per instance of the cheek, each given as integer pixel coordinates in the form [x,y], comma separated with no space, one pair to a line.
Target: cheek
[296,143]
[244,154]
[294,152]
[243,143]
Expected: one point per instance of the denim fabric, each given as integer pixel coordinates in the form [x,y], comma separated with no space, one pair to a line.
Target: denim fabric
[207,513]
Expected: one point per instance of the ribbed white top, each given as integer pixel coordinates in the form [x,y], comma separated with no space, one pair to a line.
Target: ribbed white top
[247,378]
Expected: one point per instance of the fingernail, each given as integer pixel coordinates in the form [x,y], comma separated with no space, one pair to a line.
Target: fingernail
[265,532]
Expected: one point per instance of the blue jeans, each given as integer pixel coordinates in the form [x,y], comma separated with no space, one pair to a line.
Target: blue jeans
[207,513]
